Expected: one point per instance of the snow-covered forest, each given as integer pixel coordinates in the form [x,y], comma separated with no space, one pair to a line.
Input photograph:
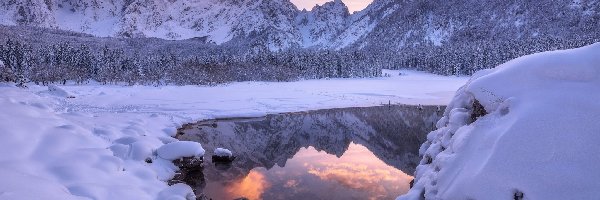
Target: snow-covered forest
[61,62]
[80,58]
[33,55]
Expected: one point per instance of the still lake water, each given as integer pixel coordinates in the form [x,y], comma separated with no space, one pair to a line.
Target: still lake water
[349,153]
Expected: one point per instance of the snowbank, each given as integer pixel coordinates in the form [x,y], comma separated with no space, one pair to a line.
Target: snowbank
[537,138]
[174,193]
[17,185]
[53,152]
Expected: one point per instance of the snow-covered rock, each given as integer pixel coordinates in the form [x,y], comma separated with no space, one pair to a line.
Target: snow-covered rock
[180,149]
[222,156]
[171,131]
[538,140]
[223,152]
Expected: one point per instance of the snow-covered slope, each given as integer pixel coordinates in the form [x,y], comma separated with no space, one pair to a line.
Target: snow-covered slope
[363,22]
[51,153]
[275,24]
[438,23]
[323,24]
[535,135]
[219,20]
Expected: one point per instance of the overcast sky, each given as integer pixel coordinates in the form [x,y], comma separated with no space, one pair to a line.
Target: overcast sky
[353,5]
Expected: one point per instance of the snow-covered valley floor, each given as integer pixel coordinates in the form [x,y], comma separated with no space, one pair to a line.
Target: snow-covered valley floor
[94,145]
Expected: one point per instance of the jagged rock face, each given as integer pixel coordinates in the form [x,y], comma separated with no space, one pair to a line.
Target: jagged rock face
[275,24]
[323,24]
[436,23]
[362,23]
[220,20]
[278,24]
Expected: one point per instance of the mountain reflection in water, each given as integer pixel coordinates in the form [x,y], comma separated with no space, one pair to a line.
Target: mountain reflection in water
[349,153]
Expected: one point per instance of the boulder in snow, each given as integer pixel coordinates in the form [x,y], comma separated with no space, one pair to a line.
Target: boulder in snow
[180,149]
[223,155]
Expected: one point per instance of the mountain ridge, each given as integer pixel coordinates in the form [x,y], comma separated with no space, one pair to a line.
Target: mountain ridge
[279,24]
[218,20]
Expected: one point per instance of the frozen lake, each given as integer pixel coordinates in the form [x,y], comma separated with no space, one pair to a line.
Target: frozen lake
[360,153]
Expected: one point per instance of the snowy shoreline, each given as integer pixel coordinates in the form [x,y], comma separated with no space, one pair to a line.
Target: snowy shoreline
[95,144]
[537,137]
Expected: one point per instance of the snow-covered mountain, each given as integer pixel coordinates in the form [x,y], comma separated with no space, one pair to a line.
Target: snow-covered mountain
[218,20]
[323,24]
[407,24]
[278,24]
[362,23]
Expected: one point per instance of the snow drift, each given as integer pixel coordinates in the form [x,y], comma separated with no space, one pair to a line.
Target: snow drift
[55,152]
[55,90]
[527,129]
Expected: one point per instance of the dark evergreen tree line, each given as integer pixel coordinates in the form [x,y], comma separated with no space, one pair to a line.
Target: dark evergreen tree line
[466,58]
[62,62]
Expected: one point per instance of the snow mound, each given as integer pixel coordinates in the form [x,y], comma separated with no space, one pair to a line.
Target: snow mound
[57,91]
[223,152]
[171,131]
[178,191]
[180,149]
[55,155]
[527,129]
[17,185]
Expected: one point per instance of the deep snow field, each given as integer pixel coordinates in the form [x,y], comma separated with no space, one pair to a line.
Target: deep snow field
[94,146]
[539,139]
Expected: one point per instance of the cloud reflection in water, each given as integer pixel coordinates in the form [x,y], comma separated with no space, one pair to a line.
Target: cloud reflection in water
[357,174]
[359,169]
[251,187]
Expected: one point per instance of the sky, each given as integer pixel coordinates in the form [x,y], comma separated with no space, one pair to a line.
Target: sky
[353,5]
